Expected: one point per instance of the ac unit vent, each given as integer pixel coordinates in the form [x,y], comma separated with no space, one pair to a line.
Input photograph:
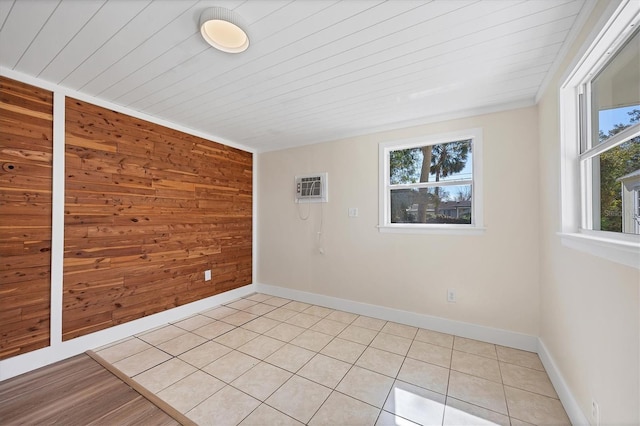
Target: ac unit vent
[311,188]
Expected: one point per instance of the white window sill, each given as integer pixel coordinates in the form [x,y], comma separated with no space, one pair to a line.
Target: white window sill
[433,229]
[620,251]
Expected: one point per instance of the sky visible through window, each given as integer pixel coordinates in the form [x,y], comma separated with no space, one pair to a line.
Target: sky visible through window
[608,118]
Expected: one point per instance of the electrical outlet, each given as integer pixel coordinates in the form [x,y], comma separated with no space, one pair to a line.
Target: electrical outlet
[451,295]
[353,212]
[207,275]
[595,413]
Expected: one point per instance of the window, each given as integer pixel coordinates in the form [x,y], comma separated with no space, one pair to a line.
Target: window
[600,120]
[432,184]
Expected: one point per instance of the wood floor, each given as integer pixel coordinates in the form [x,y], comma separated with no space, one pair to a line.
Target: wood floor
[76,391]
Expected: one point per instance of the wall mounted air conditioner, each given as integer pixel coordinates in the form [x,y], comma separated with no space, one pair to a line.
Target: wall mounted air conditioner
[311,188]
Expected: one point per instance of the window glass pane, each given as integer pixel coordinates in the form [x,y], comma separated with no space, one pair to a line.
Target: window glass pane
[615,92]
[448,161]
[440,204]
[618,172]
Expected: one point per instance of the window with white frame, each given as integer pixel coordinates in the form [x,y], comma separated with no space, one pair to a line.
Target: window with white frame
[600,120]
[432,183]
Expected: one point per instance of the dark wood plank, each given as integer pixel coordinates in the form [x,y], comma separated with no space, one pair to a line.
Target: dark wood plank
[26,135]
[147,210]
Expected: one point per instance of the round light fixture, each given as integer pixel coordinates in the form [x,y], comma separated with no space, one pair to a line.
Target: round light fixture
[221,28]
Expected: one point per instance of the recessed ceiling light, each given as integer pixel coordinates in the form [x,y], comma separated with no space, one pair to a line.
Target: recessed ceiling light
[221,28]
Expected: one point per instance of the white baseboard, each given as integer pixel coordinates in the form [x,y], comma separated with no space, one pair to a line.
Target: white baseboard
[576,415]
[39,358]
[498,336]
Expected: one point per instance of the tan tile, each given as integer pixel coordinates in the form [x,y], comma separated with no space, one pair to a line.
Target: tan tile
[366,386]
[357,334]
[435,338]
[341,409]
[343,350]
[325,370]
[458,413]
[285,332]
[425,375]
[236,337]
[213,330]
[259,309]
[261,325]
[239,318]
[258,297]
[141,361]
[261,347]
[290,357]
[477,391]
[370,323]
[297,306]
[432,354]
[182,344]
[319,311]
[475,347]
[161,335]
[516,422]
[380,361]
[535,409]
[340,316]
[518,357]
[400,330]
[122,350]
[241,304]
[476,365]
[276,301]
[391,343]
[204,354]
[303,320]
[527,379]
[190,391]
[193,322]
[265,415]
[262,380]
[280,314]
[312,340]
[231,366]
[219,312]
[164,375]
[299,398]
[415,404]
[388,419]
[330,327]
[228,406]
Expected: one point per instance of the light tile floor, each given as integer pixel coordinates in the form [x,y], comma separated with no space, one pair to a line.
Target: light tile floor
[264,360]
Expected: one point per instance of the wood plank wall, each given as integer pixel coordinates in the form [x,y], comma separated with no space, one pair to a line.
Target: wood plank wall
[26,148]
[148,209]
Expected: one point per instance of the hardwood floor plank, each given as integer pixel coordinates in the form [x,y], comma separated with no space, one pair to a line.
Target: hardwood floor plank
[76,391]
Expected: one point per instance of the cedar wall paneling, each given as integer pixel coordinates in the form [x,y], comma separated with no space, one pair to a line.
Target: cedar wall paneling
[26,148]
[148,209]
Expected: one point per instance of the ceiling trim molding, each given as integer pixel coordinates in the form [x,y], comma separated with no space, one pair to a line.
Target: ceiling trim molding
[34,81]
[454,115]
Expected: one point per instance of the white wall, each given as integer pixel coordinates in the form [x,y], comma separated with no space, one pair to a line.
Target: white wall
[590,317]
[495,274]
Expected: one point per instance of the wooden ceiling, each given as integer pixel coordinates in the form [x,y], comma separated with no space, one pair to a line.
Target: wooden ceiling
[316,70]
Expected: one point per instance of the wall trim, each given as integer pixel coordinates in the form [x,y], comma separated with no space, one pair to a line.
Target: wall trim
[58,351]
[576,415]
[497,336]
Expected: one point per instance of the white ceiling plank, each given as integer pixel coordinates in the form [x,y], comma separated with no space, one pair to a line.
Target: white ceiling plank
[177,31]
[213,62]
[99,29]
[142,27]
[5,8]
[465,24]
[63,25]
[21,26]
[284,42]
